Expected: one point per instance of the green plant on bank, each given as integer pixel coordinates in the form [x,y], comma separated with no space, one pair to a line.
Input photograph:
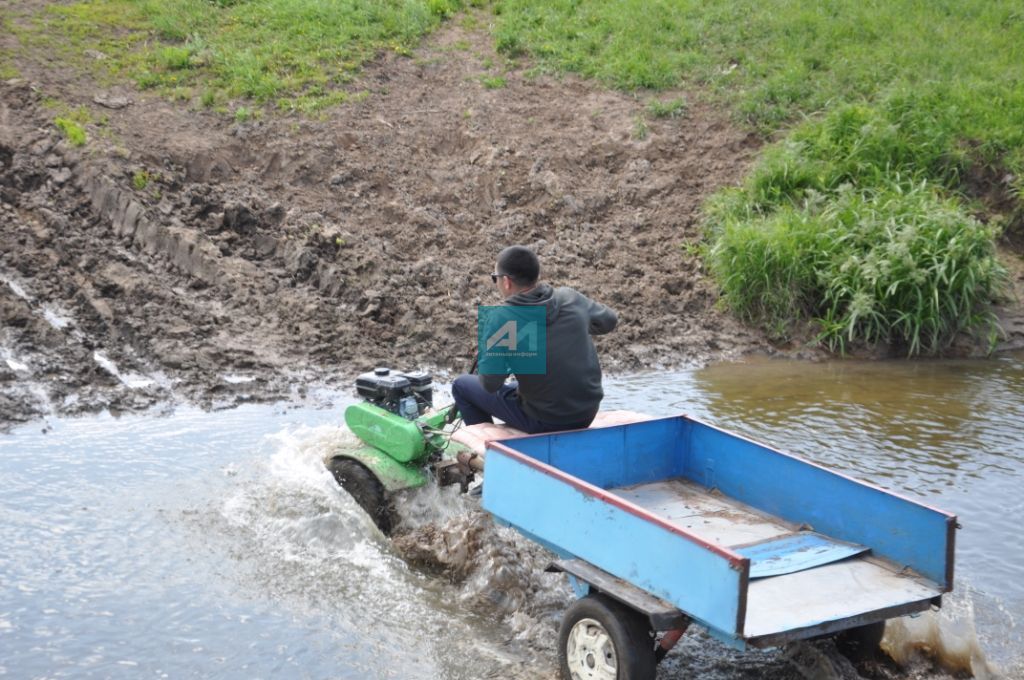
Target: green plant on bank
[141,179]
[493,82]
[846,222]
[208,99]
[7,68]
[895,264]
[73,132]
[640,128]
[674,108]
[296,54]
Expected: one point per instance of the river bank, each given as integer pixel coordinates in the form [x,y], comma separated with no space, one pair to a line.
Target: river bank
[180,255]
[208,259]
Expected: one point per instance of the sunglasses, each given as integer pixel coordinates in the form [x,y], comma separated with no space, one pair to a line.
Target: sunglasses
[495,277]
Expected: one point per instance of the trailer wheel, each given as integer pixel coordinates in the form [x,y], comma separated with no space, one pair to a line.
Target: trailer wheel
[861,643]
[601,639]
[365,489]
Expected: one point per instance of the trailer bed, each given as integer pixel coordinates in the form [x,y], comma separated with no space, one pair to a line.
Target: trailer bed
[758,545]
[798,599]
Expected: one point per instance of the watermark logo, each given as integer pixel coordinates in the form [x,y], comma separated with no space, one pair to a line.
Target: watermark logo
[511,339]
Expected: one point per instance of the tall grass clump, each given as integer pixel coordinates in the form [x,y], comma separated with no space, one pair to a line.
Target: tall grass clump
[852,221]
[72,130]
[897,264]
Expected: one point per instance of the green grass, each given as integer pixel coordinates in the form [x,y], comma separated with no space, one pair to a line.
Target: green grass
[775,59]
[296,54]
[141,179]
[889,116]
[72,121]
[861,220]
[244,114]
[640,128]
[493,82]
[7,68]
[897,264]
[72,131]
[673,108]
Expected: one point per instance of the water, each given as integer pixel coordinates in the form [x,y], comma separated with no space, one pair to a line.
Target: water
[192,544]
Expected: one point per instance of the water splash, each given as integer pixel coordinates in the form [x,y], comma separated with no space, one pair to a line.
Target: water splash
[305,541]
[497,572]
[947,638]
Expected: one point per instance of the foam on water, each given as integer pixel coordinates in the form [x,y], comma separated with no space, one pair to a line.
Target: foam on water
[492,572]
[235,379]
[294,508]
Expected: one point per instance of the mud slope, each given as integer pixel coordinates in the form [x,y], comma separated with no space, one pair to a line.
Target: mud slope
[283,250]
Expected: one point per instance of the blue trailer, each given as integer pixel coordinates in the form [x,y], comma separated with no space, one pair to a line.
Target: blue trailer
[667,521]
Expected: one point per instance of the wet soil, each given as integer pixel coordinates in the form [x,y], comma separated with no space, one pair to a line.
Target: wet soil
[287,249]
[182,255]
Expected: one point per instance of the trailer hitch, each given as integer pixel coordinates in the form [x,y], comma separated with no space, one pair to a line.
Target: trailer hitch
[449,472]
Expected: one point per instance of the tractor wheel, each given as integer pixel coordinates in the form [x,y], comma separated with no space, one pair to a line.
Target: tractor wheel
[861,643]
[601,639]
[365,488]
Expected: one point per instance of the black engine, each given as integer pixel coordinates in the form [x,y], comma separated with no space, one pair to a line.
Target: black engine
[405,394]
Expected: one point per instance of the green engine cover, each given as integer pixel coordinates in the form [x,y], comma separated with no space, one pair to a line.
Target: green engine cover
[394,435]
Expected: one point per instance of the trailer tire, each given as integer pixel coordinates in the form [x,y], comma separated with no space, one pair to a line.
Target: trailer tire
[365,489]
[861,643]
[601,639]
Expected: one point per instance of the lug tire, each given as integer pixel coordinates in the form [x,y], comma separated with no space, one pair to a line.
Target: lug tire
[861,643]
[365,489]
[601,639]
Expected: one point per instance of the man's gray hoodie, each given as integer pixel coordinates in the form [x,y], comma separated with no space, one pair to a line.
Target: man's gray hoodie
[569,393]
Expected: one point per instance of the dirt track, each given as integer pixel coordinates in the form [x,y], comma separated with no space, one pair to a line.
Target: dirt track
[263,256]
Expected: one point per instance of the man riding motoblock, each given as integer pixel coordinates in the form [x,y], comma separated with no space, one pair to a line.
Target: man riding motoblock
[565,392]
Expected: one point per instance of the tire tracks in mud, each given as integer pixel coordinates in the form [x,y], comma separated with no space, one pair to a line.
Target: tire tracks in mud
[286,251]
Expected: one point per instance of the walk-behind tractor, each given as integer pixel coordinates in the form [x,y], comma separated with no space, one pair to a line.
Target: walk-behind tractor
[404,441]
[660,522]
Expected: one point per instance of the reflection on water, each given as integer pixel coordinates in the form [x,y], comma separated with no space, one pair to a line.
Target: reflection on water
[215,544]
[918,423]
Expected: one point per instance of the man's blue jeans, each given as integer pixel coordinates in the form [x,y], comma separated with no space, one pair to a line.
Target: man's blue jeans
[477,405]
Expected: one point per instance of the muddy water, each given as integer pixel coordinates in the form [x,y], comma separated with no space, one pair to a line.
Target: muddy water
[194,544]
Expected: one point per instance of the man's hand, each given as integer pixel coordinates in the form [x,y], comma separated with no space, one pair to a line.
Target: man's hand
[602,319]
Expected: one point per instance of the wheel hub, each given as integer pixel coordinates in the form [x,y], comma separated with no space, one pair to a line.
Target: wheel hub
[590,652]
